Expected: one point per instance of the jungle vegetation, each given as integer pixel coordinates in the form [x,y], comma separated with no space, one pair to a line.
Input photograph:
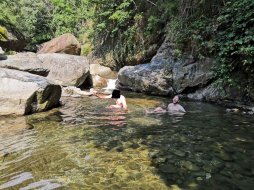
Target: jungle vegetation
[129,32]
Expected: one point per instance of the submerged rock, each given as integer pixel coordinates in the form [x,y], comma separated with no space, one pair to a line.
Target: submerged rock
[24,93]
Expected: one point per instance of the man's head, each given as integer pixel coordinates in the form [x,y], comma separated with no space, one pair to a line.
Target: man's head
[116,94]
[175,99]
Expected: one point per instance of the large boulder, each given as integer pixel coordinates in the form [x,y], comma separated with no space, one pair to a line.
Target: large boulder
[102,71]
[66,43]
[166,75]
[66,70]
[189,75]
[101,75]
[28,62]
[63,69]
[151,78]
[24,93]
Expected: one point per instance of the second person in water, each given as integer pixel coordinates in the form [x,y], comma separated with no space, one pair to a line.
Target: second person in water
[120,99]
[173,107]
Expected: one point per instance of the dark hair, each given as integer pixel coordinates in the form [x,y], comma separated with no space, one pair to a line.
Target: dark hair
[116,94]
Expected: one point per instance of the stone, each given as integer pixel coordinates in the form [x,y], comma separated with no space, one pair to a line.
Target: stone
[101,75]
[66,43]
[72,91]
[179,153]
[28,62]
[154,154]
[151,78]
[62,69]
[189,165]
[191,76]
[168,168]
[166,75]
[99,82]
[3,57]
[102,71]
[66,70]
[24,93]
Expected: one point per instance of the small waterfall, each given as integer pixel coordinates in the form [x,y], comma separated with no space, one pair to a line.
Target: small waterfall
[111,85]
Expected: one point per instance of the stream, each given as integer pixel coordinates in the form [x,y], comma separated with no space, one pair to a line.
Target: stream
[83,145]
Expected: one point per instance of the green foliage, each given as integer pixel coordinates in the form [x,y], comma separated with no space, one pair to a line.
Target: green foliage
[235,42]
[126,28]
[3,33]
[40,21]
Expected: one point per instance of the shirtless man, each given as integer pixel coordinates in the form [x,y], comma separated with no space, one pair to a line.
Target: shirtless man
[172,107]
[120,99]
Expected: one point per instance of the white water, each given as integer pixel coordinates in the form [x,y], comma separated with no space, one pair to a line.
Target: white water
[111,85]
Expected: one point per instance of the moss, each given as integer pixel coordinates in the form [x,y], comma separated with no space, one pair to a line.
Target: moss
[3,33]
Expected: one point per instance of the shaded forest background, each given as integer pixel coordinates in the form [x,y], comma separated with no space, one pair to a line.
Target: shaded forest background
[129,32]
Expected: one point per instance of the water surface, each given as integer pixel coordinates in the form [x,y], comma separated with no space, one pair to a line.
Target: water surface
[83,145]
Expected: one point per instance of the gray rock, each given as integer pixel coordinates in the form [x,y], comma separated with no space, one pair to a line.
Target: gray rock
[151,78]
[25,62]
[209,93]
[166,75]
[188,77]
[63,69]
[66,70]
[24,93]
[189,165]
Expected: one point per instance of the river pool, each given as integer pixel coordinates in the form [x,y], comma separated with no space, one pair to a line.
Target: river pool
[83,145]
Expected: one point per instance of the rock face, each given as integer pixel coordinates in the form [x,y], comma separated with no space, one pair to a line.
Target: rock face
[66,43]
[101,75]
[165,75]
[63,69]
[189,76]
[24,93]
[153,78]
[229,96]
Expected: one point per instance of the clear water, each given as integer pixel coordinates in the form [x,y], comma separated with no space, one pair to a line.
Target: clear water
[82,145]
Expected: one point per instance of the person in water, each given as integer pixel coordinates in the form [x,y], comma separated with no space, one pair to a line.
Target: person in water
[172,107]
[120,99]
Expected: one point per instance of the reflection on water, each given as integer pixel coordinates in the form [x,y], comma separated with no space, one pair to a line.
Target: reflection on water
[83,145]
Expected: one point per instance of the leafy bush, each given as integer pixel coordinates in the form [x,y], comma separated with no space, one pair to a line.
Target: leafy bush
[235,41]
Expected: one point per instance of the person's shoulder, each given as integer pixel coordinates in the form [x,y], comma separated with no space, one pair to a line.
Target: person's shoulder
[171,104]
[122,97]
